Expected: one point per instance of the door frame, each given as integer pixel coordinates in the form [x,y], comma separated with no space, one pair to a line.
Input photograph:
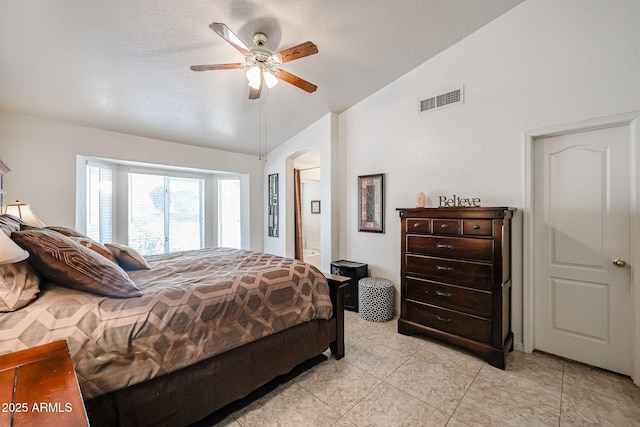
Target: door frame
[632,120]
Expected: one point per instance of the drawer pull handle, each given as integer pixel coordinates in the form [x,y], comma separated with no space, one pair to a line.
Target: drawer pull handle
[444,319]
[444,225]
[476,227]
[443,246]
[444,268]
[444,294]
[416,225]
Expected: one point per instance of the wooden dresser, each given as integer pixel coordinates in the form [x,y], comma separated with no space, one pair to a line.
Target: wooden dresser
[456,278]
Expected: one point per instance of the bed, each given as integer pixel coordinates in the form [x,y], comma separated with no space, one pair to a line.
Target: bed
[182,335]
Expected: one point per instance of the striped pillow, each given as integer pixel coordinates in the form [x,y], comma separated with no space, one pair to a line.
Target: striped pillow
[19,285]
[65,262]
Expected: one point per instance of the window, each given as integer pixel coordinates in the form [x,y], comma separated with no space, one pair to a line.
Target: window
[158,208]
[166,213]
[229,213]
[99,206]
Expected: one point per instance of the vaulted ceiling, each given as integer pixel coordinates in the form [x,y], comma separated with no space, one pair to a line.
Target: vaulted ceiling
[123,65]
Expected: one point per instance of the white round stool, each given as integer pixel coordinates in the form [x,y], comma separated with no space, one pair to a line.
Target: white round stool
[375,299]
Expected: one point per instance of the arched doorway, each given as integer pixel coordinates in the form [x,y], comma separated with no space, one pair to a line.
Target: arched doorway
[309,166]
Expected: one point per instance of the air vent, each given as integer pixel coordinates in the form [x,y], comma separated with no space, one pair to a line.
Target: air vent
[441,101]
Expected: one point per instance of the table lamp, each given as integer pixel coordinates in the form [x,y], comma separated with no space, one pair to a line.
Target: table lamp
[10,252]
[24,212]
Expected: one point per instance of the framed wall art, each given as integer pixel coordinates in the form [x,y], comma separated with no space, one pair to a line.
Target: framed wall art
[371,203]
[273,205]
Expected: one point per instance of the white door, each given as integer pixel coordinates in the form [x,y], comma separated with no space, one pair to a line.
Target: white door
[582,246]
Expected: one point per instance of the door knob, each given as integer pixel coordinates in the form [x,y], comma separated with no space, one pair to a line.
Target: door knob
[619,262]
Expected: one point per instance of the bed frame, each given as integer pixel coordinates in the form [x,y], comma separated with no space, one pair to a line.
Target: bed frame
[191,394]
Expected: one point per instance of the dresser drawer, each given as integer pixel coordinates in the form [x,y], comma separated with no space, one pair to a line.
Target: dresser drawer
[446,226]
[466,300]
[454,322]
[472,274]
[418,225]
[451,247]
[477,227]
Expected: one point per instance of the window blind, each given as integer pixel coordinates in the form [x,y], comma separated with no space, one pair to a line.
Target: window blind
[99,202]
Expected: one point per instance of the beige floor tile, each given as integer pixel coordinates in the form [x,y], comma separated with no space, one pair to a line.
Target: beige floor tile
[577,376]
[449,358]
[343,422]
[592,408]
[388,406]
[403,343]
[388,379]
[355,328]
[338,384]
[497,408]
[530,362]
[545,393]
[454,422]
[597,397]
[288,405]
[439,387]
[377,360]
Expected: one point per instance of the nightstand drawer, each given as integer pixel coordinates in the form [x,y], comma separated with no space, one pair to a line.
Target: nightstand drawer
[451,247]
[477,227]
[418,225]
[471,274]
[446,226]
[472,327]
[468,301]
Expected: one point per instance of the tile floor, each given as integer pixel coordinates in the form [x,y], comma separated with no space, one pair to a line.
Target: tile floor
[387,379]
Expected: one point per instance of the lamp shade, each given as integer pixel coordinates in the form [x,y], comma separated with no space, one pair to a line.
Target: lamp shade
[9,251]
[253,74]
[270,79]
[24,212]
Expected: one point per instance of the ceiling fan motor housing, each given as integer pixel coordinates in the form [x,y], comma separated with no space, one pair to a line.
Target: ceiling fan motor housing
[260,39]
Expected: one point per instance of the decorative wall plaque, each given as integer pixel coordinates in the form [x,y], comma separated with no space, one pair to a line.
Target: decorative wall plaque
[458,202]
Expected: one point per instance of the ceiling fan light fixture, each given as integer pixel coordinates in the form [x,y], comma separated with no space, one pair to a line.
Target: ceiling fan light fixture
[255,83]
[253,73]
[270,79]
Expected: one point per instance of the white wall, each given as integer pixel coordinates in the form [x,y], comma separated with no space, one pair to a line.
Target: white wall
[42,157]
[543,63]
[322,136]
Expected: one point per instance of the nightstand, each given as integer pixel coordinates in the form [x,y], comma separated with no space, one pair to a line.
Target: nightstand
[38,386]
[354,270]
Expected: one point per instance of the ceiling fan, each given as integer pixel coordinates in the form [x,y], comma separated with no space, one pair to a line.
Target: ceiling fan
[262,64]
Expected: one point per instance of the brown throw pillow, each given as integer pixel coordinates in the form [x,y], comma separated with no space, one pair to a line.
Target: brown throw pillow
[68,263]
[69,232]
[127,257]
[19,285]
[96,247]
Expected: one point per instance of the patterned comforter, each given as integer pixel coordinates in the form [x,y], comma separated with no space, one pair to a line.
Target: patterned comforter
[194,305]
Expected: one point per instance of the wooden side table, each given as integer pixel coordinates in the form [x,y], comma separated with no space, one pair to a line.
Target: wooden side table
[38,386]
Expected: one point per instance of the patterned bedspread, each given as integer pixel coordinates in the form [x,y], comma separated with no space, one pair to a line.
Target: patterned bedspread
[194,305]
